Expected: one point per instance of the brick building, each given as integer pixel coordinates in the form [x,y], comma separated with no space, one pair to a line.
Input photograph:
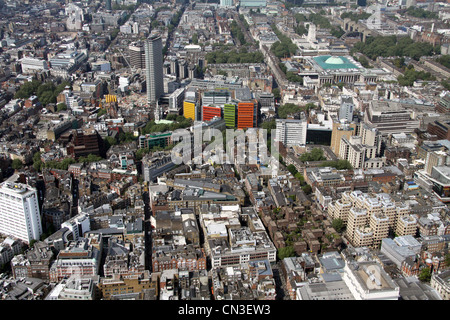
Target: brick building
[84,142]
[35,263]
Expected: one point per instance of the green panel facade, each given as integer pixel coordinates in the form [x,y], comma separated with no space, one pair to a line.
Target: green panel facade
[229,115]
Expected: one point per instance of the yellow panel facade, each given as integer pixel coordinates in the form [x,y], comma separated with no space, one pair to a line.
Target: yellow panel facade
[189,110]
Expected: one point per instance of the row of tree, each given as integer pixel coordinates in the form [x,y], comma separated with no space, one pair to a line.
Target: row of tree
[411,75]
[392,46]
[284,48]
[444,60]
[316,154]
[288,109]
[417,12]
[180,122]
[64,164]
[338,164]
[234,56]
[318,19]
[47,92]
[355,16]
[291,109]
[237,33]
[143,151]
[291,76]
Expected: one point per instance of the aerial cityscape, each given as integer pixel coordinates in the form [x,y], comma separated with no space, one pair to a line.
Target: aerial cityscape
[219,150]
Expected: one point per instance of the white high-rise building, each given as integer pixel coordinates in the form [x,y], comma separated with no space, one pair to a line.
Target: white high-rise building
[291,132]
[154,68]
[19,211]
[176,100]
[346,109]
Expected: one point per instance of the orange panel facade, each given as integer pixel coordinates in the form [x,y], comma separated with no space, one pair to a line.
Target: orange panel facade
[246,114]
[211,112]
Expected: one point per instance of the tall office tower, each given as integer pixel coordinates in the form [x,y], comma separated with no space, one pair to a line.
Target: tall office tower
[108,5]
[154,68]
[291,132]
[182,69]
[137,55]
[174,69]
[19,211]
[440,128]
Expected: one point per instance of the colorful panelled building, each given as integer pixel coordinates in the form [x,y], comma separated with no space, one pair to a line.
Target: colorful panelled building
[190,110]
[229,115]
[246,115]
[209,112]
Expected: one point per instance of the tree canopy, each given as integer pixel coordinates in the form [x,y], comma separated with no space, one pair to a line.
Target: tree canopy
[269,125]
[237,32]
[291,76]
[61,107]
[316,154]
[276,93]
[284,48]
[338,225]
[416,12]
[392,46]
[291,168]
[288,109]
[234,56]
[447,259]
[444,60]
[90,158]
[355,16]
[53,164]
[16,164]
[425,275]
[411,75]
[286,252]
[179,123]
[47,92]
[338,164]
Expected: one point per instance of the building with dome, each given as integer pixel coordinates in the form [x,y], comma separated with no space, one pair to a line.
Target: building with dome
[337,69]
[335,62]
